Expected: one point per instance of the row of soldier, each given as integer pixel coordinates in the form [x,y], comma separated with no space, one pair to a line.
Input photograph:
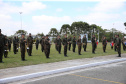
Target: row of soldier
[26,44]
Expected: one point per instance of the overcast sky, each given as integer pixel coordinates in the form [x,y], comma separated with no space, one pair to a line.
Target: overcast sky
[40,16]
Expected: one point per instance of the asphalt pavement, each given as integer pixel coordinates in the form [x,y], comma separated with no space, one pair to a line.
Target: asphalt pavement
[107,74]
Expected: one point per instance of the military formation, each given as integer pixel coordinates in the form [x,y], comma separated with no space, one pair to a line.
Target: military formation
[26,45]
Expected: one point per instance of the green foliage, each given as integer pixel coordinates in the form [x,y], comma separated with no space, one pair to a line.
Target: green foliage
[40,34]
[66,29]
[53,32]
[19,32]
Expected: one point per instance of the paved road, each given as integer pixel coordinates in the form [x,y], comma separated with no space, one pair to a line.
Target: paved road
[107,74]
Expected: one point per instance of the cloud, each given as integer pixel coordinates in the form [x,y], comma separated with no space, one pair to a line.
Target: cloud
[26,7]
[59,9]
[45,23]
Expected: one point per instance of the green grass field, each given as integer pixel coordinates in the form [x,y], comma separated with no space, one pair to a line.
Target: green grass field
[39,58]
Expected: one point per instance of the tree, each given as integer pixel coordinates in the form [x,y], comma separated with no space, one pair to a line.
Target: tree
[93,27]
[53,32]
[19,32]
[66,28]
[40,34]
[85,27]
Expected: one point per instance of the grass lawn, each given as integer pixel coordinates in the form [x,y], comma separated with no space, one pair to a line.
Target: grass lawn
[38,57]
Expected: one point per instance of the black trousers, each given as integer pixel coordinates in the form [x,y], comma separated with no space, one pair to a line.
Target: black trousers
[9,47]
[119,50]
[15,49]
[111,47]
[74,46]
[79,49]
[124,47]
[23,53]
[69,46]
[1,53]
[59,48]
[115,47]
[30,50]
[5,54]
[84,46]
[36,46]
[65,50]
[93,47]
[104,48]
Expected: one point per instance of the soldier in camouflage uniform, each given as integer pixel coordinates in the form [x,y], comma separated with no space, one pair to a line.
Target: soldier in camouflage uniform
[23,47]
[70,41]
[93,40]
[118,43]
[42,43]
[37,43]
[55,41]
[15,42]
[74,43]
[65,43]
[79,45]
[9,44]
[29,44]
[115,45]
[58,43]
[2,44]
[47,46]
[6,47]
[104,43]
[84,42]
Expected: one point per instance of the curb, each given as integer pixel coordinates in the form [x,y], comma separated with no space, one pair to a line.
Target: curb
[38,74]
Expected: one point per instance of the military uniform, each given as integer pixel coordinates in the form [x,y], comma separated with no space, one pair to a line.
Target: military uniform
[15,45]
[6,48]
[42,44]
[84,43]
[9,44]
[58,42]
[74,44]
[104,44]
[2,44]
[93,40]
[47,47]
[55,41]
[37,44]
[118,43]
[23,48]
[65,46]
[115,45]
[69,41]
[79,46]
[29,44]
[123,44]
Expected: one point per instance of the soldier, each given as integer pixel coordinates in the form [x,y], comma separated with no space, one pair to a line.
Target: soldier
[79,45]
[123,43]
[115,45]
[74,43]
[65,45]
[58,42]
[84,43]
[42,43]
[118,43]
[37,43]
[29,44]
[47,46]
[93,40]
[23,47]
[2,44]
[69,41]
[9,44]
[6,47]
[15,45]
[104,43]
[17,42]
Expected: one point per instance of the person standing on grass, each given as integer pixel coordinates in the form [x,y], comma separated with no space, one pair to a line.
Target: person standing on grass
[23,47]
[15,42]
[84,43]
[2,44]
[69,40]
[65,43]
[55,41]
[115,45]
[42,43]
[6,47]
[79,45]
[9,44]
[93,40]
[47,46]
[29,44]
[104,43]
[59,43]
[37,43]
[118,43]
[74,43]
